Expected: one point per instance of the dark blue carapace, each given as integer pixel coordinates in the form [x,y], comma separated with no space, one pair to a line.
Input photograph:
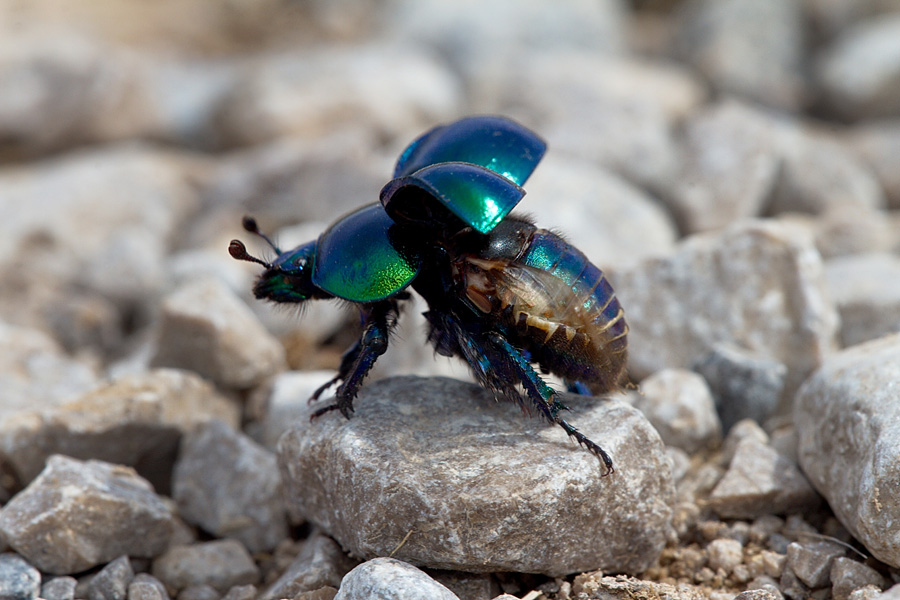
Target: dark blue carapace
[502,294]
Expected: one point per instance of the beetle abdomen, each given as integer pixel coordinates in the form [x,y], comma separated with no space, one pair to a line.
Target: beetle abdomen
[560,307]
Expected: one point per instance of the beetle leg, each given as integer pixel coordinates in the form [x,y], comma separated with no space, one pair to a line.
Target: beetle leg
[347,360]
[359,359]
[499,366]
[544,398]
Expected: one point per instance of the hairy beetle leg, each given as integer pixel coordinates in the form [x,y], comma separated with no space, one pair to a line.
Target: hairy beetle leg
[359,359]
[547,400]
[499,366]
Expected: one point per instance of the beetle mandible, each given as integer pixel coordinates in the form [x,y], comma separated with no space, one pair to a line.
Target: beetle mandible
[502,294]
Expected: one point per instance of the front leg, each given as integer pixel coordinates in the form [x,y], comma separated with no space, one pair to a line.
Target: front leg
[379,320]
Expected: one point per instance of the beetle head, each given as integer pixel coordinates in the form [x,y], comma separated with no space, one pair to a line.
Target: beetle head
[288,278]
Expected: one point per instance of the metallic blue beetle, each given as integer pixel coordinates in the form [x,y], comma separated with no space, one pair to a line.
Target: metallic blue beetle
[502,294]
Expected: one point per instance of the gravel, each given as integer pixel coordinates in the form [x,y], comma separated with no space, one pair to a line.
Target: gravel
[731,165]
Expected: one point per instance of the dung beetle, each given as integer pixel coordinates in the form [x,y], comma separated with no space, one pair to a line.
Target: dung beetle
[502,294]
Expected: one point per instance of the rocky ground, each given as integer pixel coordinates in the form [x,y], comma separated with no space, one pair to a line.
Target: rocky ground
[732,165]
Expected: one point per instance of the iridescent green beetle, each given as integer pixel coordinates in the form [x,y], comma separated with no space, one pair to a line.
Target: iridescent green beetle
[502,294]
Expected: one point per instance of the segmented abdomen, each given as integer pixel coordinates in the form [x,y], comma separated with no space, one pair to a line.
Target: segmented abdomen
[564,312]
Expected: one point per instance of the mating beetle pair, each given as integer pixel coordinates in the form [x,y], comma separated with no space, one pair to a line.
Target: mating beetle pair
[502,294]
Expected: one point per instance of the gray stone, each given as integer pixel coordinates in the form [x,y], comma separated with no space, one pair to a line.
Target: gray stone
[604,216]
[137,420]
[848,421]
[811,561]
[370,481]
[227,484]
[241,592]
[819,173]
[746,429]
[756,285]
[391,579]
[792,587]
[220,564]
[729,166]
[746,47]
[745,385]
[852,229]
[848,575]
[112,582]
[869,592]
[321,563]
[201,591]
[61,588]
[616,112]
[36,373]
[758,594]
[52,203]
[761,481]
[891,593]
[146,587]
[18,579]
[308,93]
[830,17]
[105,98]
[859,73]
[298,181]
[474,35]
[866,290]
[679,405]
[468,586]
[207,329]
[877,143]
[725,554]
[76,515]
[325,593]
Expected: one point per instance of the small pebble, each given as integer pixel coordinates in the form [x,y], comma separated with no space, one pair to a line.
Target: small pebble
[60,588]
[18,579]
[391,578]
[146,587]
[56,524]
[725,554]
[218,564]
[112,582]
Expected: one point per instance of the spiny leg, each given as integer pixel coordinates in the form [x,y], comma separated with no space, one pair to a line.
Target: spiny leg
[498,366]
[545,398]
[359,359]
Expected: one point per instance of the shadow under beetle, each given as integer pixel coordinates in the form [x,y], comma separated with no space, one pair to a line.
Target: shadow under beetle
[502,294]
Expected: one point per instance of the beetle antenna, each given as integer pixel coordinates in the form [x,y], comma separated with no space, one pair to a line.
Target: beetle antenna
[238,250]
[251,226]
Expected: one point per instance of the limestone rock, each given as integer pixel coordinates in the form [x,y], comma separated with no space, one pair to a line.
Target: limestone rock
[755,285]
[76,515]
[137,420]
[848,421]
[391,578]
[435,472]
[207,329]
[679,405]
[219,564]
[230,486]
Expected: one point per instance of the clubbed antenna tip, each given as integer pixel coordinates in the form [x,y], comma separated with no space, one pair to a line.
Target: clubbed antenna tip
[251,226]
[238,250]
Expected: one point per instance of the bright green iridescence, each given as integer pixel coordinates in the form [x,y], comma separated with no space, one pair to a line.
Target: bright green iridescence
[356,261]
[475,194]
